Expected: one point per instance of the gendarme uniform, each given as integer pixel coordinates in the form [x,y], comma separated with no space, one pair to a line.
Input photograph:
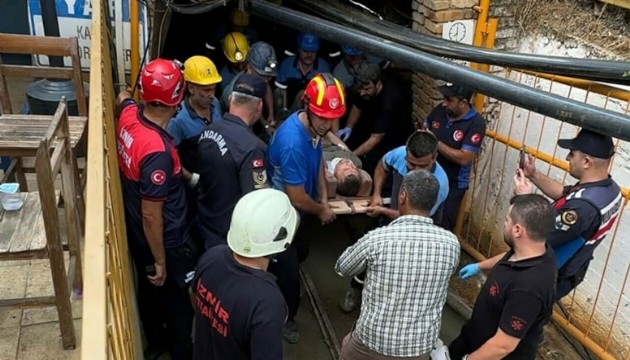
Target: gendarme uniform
[233,165]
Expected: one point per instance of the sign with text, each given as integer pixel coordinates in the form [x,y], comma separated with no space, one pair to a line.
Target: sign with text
[75,19]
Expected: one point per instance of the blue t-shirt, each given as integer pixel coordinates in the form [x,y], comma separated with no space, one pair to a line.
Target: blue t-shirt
[227,75]
[292,157]
[396,160]
[291,78]
[185,128]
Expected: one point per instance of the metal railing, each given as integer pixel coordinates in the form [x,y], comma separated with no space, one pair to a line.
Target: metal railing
[110,327]
[599,309]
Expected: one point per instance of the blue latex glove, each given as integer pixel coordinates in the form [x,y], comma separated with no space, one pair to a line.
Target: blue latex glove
[469,271]
[344,133]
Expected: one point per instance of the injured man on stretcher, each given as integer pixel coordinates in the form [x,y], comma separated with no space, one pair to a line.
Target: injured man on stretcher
[344,174]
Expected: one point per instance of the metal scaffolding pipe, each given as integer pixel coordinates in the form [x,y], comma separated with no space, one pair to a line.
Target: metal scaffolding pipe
[571,111]
[600,70]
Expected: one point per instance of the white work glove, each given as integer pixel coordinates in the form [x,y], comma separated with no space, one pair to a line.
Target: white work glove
[193,181]
[440,351]
[344,133]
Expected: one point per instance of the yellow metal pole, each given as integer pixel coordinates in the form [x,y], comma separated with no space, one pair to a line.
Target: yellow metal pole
[493,24]
[483,9]
[135,42]
[591,86]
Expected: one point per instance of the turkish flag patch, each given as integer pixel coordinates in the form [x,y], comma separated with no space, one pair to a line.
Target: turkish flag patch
[258,163]
[476,138]
[158,177]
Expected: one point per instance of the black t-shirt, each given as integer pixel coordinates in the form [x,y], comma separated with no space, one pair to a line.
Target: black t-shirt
[383,114]
[239,311]
[517,298]
[232,163]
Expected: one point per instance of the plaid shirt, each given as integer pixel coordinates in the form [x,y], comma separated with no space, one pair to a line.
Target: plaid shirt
[408,263]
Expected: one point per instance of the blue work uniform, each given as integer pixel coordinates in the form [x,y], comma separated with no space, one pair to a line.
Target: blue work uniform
[465,134]
[291,78]
[585,214]
[294,159]
[185,128]
[233,165]
[227,75]
[395,162]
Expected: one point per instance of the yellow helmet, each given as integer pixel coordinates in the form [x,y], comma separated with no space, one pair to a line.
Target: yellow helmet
[240,17]
[235,47]
[201,70]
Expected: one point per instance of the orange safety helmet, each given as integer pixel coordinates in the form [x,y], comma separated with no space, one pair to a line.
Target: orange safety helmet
[162,81]
[325,97]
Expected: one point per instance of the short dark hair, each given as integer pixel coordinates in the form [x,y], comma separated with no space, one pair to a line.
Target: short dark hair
[350,186]
[535,213]
[422,143]
[421,188]
[366,73]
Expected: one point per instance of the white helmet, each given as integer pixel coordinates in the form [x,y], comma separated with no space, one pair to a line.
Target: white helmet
[263,223]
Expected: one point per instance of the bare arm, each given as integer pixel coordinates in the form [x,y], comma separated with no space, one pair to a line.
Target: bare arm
[549,187]
[458,156]
[380,175]
[497,347]
[335,140]
[153,226]
[488,264]
[300,199]
[322,184]
[369,144]
[269,102]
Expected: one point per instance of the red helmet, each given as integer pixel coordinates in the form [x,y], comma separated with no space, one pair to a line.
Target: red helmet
[162,81]
[324,96]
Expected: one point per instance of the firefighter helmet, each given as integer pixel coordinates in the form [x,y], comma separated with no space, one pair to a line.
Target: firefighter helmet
[325,97]
[162,81]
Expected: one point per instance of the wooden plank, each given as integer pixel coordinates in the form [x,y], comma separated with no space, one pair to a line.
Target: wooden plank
[620,3]
[94,342]
[32,117]
[340,207]
[36,71]
[26,303]
[28,224]
[42,45]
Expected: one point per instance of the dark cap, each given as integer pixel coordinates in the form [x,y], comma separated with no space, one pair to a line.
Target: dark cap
[455,90]
[250,85]
[366,73]
[591,143]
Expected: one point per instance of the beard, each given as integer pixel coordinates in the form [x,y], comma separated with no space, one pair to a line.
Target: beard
[508,240]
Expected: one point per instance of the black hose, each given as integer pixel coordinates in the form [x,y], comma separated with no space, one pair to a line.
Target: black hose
[600,70]
[196,8]
[571,111]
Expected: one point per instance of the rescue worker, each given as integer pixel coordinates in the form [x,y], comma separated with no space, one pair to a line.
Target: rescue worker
[234,160]
[409,264]
[239,309]
[420,153]
[296,71]
[262,62]
[235,49]
[584,213]
[199,109]
[377,121]
[460,131]
[516,300]
[155,210]
[351,57]
[295,166]
[239,22]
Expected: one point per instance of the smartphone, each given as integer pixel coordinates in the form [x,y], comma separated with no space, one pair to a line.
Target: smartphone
[521,159]
[150,270]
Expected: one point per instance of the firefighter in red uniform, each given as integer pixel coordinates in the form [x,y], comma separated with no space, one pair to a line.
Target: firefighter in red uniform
[155,210]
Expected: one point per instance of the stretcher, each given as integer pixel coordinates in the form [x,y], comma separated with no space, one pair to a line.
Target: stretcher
[351,205]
